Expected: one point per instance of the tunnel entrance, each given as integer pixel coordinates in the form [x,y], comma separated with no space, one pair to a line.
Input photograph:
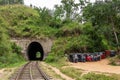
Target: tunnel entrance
[35,51]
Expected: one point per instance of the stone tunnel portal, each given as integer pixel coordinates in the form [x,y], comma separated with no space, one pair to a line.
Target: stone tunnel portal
[35,51]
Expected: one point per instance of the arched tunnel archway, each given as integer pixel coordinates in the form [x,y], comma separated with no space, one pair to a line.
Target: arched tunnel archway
[35,49]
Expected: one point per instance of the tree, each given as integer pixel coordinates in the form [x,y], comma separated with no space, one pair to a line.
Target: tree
[71,9]
[104,13]
[5,2]
[44,15]
[2,2]
[67,6]
[59,12]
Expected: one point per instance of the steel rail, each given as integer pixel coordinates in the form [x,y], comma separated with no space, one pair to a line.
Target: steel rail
[31,77]
[20,73]
[30,67]
[41,72]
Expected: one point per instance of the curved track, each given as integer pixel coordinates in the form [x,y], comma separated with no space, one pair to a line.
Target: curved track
[30,71]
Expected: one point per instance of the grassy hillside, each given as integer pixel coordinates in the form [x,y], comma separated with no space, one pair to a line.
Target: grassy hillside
[13,20]
[23,21]
[17,18]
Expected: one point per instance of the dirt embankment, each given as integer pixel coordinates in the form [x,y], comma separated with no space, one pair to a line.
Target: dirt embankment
[99,66]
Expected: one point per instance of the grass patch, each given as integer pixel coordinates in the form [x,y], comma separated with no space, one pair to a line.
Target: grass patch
[93,76]
[117,76]
[60,63]
[11,60]
[72,72]
[16,64]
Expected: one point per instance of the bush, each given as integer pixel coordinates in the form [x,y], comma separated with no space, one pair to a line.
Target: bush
[15,48]
[66,45]
[51,58]
[115,60]
[96,40]
[9,60]
[70,29]
[118,56]
[77,44]
[8,50]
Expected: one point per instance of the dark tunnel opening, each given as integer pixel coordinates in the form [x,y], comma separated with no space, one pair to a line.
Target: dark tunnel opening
[35,51]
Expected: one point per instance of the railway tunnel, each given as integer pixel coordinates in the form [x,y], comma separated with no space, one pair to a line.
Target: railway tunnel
[35,51]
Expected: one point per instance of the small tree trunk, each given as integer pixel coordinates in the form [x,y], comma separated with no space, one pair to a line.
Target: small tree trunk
[115,34]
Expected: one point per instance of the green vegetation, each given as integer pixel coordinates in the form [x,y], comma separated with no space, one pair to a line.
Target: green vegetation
[94,28]
[38,55]
[72,72]
[104,17]
[9,52]
[78,74]
[96,34]
[115,60]
[63,25]
[93,76]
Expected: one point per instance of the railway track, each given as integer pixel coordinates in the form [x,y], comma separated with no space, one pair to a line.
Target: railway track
[30,71]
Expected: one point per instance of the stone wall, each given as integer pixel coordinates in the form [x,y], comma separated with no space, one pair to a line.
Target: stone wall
[24,43]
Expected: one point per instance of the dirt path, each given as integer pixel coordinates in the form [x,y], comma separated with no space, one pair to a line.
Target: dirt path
[99,66]
[5,73]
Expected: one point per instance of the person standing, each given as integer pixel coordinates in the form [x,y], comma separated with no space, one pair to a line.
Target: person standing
[75,58]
